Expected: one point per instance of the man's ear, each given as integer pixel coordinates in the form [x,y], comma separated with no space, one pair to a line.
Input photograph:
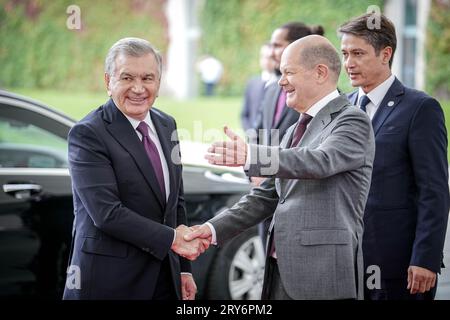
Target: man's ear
[322,73]
[107,80]
[386,55]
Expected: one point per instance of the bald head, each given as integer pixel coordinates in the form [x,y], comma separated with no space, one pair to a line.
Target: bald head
[310,70]
[314,50]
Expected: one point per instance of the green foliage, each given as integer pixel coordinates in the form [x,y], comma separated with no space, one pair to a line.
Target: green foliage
[234,30]
[438,49]
[41,52]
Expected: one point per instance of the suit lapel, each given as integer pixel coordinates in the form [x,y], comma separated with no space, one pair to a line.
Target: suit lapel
[167,145]
[282,116]
[272,92]
[283,113]
[353,98]
[120,128]
[317,124]
[390,101]
[322,119]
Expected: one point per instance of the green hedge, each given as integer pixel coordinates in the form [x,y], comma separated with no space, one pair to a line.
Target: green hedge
[438,50]
[233,30]
[38,51]
[41,52]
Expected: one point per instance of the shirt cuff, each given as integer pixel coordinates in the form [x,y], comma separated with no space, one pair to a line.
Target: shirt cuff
[174,236]
[248,160]
[186,273]
[213,233]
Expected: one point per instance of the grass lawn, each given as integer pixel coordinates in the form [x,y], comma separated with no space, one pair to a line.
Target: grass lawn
[200,119]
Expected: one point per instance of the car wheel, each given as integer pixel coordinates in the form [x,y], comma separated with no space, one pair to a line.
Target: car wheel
[237,272]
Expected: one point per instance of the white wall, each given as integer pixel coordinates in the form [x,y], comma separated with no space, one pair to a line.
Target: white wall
[180,75]
[395,10]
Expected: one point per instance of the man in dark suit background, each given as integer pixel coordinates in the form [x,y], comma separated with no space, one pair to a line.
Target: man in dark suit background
[275,114]
[254,91]
[406,215]
[128,191]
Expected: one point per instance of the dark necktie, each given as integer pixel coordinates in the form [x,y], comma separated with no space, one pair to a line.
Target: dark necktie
[153,156]
[363,102]
[300,128]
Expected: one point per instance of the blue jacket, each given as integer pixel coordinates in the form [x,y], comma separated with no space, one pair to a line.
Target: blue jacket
[405,219]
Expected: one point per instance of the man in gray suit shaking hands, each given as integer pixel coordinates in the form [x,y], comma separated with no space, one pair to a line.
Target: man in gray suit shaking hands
[319,178]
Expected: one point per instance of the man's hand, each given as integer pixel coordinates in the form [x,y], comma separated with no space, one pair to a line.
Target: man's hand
[420,279]
[228,153]
[202,232]
[188,249]
[188,287]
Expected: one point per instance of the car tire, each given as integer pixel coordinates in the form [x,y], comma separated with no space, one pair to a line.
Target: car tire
[237,271]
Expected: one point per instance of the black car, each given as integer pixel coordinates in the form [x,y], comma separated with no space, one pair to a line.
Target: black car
[36,210]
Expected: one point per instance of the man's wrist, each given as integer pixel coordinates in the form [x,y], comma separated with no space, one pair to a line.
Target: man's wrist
[213,233]
[186,273]
[247,157]
[174,236]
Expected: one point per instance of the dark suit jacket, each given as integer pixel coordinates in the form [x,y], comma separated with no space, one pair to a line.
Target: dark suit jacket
[123,227]
[406,214]
[288,117]
[254,94]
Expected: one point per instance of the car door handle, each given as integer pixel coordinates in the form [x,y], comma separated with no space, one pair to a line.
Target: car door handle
[22,191]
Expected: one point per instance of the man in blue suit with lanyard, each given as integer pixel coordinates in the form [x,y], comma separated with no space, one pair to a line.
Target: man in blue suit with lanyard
[405,219]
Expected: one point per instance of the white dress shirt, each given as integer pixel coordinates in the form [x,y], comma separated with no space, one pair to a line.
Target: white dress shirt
[154,136]
[376,96]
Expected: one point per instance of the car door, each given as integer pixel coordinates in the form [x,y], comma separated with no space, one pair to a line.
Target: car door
[35,199]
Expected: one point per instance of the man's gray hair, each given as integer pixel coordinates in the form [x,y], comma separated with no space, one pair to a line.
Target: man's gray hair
[133,47]
[321,54]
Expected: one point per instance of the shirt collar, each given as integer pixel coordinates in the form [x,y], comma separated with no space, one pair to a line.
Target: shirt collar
[319,105]
[377,94]
[147,120]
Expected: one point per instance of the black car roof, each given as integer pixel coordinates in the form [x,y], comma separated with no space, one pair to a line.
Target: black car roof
[15,96]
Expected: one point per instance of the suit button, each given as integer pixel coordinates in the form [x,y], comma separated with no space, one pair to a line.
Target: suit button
[282,200]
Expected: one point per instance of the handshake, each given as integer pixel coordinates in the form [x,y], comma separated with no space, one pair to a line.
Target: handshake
[190,242]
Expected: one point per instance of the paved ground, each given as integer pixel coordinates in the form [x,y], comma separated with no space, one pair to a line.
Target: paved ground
[443,291]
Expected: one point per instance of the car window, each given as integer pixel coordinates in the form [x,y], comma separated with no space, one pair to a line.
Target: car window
[24,145]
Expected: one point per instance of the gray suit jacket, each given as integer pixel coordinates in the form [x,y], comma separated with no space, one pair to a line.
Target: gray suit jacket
[317,196]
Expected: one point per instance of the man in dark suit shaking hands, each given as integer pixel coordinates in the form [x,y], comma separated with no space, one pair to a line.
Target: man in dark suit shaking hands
[128,190]
[405,219]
